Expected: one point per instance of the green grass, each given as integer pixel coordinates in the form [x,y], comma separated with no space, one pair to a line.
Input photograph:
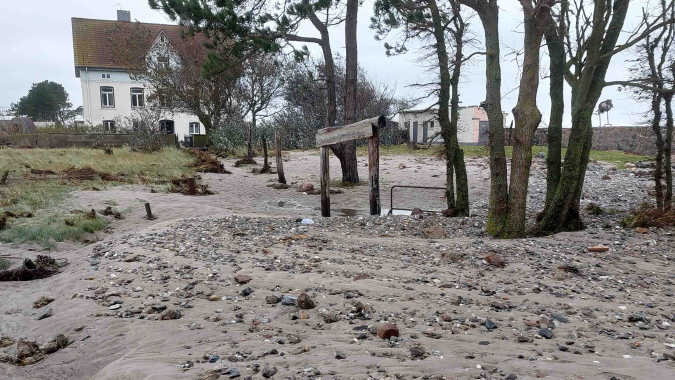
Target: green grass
[4,264]
[337,183]
[45,196]
[614,157]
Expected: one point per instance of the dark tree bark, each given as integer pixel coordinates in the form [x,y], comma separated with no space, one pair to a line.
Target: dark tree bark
[656,127]
[527,118]
[554,35]
[455,165]
[587,84]
[266,163]
[249,143]
[488,11]
[667,151]
[350,172]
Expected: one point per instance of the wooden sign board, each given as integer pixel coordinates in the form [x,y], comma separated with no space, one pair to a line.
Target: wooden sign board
[333,135]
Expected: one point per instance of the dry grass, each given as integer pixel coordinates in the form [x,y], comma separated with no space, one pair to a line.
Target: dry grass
[31,189]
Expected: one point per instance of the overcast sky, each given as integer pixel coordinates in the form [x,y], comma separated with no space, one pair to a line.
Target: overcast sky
[36,44]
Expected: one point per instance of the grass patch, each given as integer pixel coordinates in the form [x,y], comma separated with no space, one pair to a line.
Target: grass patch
[111,202]
[4,264]
[43,195]
[617,158]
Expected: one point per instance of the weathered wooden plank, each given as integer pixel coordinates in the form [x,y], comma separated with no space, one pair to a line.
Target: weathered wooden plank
[374,173]
[358,130]
[325,182]
[277,152]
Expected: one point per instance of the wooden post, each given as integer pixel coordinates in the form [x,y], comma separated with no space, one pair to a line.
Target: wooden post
[374,172]
[277,152]
[325,181]
[191,186]
[148,211]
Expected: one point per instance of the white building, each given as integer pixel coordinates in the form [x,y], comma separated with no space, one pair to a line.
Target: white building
[109,93]
[422,125]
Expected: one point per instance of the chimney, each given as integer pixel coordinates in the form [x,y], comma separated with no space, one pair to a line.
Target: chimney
[123,15]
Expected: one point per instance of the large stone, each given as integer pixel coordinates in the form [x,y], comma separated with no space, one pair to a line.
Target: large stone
[170,314]
[494,260]
[305,302]
[54,344]
[435,232]
[269,372]
[387,330]
[280,186]
[417,352]
[306,188]
[46,313]
[242,279]
[42,302]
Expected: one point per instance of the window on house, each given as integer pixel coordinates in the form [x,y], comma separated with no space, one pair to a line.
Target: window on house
[163,62]
[109,126]
[194,128]
[166,126]
[164,100]
[137,99]
[107,97]
[103,76]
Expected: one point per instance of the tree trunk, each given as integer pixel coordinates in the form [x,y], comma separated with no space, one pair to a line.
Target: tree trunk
[277,153]
[266,164]
[448,123]
[587,85]
[667,151]
[499,196]
[251,126]
[556,52]
[351,61]
[527,118]
[656,128]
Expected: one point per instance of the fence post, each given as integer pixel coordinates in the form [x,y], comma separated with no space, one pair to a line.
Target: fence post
[277,152]
[374,172]
[192,188]
[325,181]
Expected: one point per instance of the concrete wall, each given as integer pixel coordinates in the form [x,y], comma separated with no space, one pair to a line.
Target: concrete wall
[636,140]
[69,140]
[94,113]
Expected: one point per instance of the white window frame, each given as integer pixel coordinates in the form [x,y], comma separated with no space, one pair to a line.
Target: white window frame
[163,62]
[194,128]
[109,126]
[109,97]
[137,96]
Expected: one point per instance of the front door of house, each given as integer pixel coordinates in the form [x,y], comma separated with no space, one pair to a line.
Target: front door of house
[425,132]
[414,139]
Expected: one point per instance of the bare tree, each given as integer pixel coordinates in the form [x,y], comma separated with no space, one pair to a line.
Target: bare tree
[652,80]
[590,48]
[444,21]
[261,84]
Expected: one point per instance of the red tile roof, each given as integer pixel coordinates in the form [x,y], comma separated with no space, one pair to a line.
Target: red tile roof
[95,41]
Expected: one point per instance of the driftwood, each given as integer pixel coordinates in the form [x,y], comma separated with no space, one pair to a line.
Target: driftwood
[43,266]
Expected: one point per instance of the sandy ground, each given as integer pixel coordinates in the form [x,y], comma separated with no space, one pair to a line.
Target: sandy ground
[610,318]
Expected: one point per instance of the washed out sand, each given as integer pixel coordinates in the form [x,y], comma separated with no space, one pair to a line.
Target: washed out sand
[609,314]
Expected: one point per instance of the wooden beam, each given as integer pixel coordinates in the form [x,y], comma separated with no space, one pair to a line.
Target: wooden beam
[374,173]
[325,182]
[277,152]
[192,188]
[358,130]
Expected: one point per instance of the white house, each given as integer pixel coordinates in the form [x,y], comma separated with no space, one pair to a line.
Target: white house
[109,93]
[422,125]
